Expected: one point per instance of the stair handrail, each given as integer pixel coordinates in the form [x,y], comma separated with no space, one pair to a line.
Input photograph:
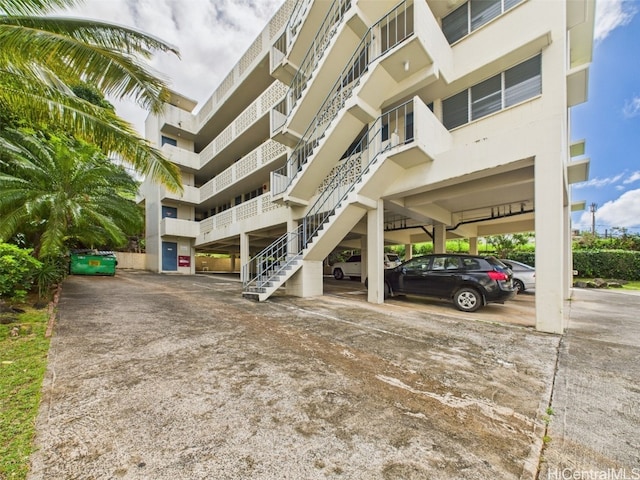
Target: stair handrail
[298,10]
[272,260]
[370,145]
[347,81]
[315,52]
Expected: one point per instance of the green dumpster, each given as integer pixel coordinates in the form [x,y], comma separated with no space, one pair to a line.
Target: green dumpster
[93,263]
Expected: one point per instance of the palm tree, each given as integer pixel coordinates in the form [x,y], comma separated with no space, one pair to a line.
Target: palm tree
[61,193]
[41,56]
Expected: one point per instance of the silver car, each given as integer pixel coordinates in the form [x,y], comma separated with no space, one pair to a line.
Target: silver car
[524,276]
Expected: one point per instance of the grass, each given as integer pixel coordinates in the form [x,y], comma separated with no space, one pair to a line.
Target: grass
[23,359]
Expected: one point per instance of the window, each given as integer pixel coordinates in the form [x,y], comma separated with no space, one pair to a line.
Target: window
[523,81]
[169,140]
[472,15]
[519,83]
[455,110]
[169,212]
[408,127]
[456,24]
[486,97]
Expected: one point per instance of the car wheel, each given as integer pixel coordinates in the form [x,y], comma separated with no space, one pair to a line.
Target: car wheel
[518,286]
[337,274]
[467,299]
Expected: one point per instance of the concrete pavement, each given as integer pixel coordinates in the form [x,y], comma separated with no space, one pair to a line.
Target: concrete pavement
[171,377]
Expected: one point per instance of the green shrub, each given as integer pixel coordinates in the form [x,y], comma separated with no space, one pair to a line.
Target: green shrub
[619,264]
[18,270]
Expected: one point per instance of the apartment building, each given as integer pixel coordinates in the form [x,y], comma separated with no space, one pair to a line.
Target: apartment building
[363,123]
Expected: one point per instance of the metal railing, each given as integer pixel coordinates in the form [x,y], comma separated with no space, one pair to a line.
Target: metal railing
[272,261]
[391,129]
[389,31]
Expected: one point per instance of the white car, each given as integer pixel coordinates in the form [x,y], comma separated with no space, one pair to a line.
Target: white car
[524,276]
[352,268]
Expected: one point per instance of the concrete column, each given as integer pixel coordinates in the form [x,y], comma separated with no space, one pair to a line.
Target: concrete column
[244,253]
[232,258]
[568,258]
[550,246]
[473,246]
[364,258]
[306,282]
[375,249]
[408,251]
[293,247]
[439,239]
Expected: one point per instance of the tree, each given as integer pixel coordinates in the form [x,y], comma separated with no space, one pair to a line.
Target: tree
[60,193]
[43,56]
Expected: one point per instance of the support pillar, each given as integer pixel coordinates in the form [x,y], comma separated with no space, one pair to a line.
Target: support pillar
[306,282]
[232,259]
[549,225]
[375,249]
[439,239]
[244,254]
[408,251]
[364,258]
[473,246]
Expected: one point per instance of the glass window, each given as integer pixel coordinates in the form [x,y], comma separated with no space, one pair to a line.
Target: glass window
[486,97]
[455,110]
[519,83]
[408,127]
[169,140]
[169,212]
[510,3]
[482,11]
[523,81]
[456,24]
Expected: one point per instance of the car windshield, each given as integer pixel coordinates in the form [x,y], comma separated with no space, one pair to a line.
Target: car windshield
[392,257]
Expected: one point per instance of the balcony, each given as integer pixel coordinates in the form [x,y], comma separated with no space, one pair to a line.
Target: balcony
[186,160]
[189,195]
[254,214]
[176,121]
[254,161]
[176,227]
[249,117]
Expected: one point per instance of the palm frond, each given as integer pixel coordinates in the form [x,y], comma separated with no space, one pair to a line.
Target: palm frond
[34,7]
[105,55]
[43,105]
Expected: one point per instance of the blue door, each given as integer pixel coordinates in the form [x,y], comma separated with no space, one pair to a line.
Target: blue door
[169,256]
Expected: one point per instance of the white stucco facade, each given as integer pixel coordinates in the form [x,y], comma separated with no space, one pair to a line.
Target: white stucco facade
[363,123]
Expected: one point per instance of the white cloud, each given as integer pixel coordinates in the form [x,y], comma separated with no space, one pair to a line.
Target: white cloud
[611,14]
[600,182]
[634,177]
[632,108]
[212,35]
[621,212]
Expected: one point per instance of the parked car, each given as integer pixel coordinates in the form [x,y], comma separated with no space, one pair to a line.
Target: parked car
[524,276]
[352,268]
[470,281]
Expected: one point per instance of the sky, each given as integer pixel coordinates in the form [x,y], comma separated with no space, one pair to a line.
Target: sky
[212,35]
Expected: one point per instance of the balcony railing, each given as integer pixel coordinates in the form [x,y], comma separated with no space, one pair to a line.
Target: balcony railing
[266,153]
[256,110]
[312,58]
[246,211]
[391,30]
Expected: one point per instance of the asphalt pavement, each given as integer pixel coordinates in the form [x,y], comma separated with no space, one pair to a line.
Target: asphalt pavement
[178,377]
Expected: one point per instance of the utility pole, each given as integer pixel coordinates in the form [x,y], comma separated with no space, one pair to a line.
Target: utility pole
[592,208]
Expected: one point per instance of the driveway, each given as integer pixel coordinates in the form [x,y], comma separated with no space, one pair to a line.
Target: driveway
[178,377]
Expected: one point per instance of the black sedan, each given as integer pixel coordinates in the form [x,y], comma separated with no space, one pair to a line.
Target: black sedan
[470,281]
